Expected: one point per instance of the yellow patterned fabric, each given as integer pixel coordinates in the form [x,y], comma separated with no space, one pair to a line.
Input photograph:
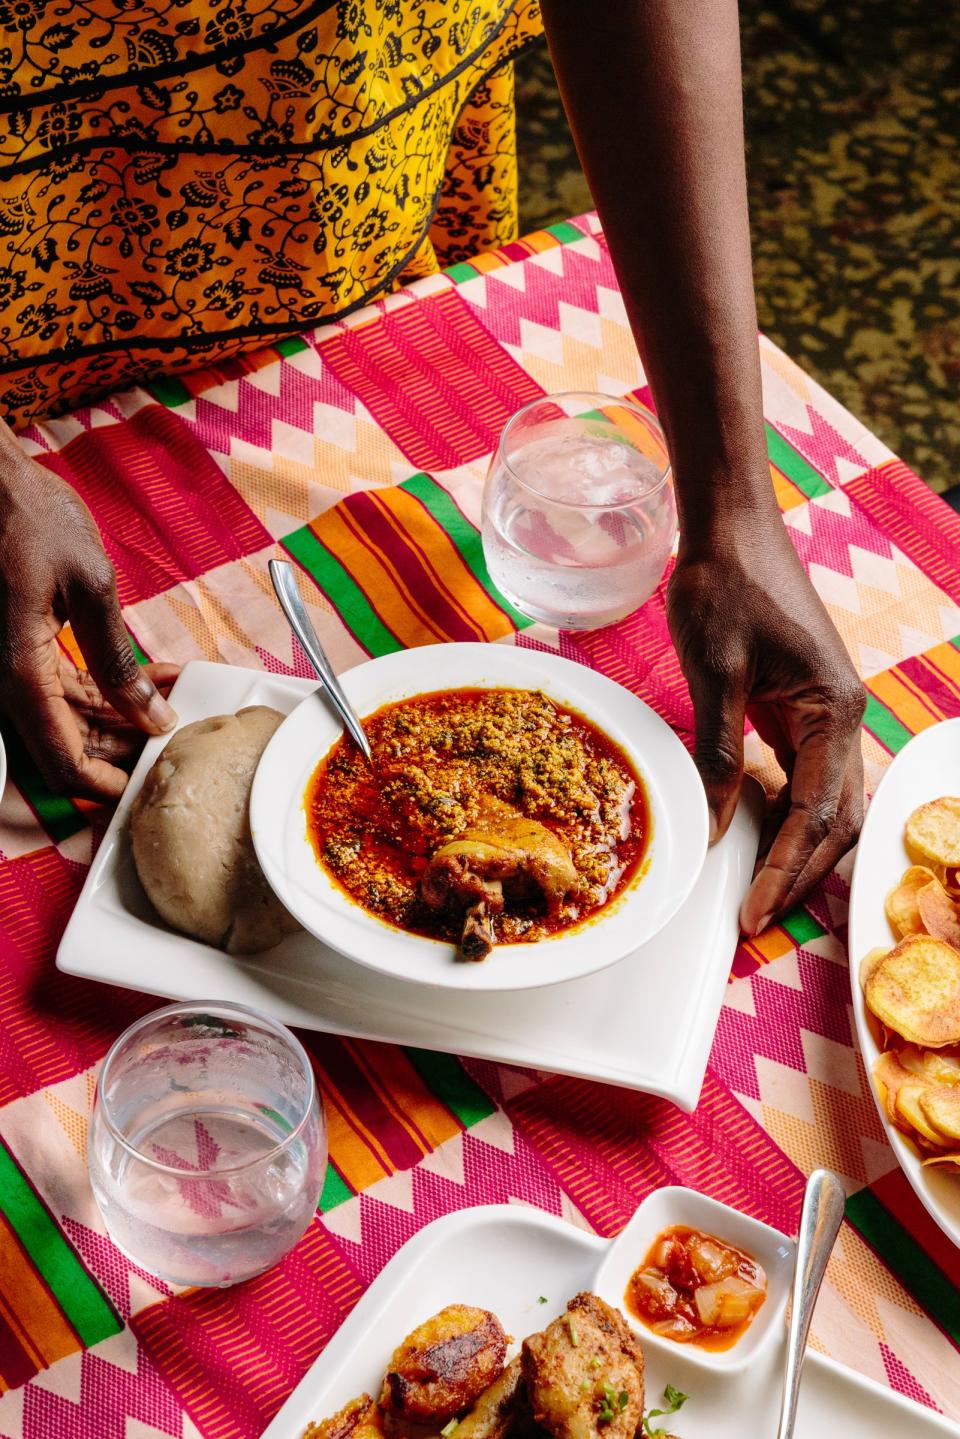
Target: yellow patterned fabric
[184,179]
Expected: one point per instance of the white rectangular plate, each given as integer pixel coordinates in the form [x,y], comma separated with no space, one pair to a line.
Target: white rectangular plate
[646,1023]
[926,768]
[503,1258]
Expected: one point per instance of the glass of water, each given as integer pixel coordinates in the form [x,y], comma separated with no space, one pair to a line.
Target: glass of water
[207,1143]
[579,516]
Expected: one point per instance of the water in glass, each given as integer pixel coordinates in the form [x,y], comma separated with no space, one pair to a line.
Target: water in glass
[579,516]
[207,1146]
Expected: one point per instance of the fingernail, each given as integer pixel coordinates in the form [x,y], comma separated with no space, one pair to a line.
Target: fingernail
[762,925]
[162,716]
[714,827]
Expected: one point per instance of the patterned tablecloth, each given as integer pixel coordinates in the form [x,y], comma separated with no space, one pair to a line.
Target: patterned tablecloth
[360,450]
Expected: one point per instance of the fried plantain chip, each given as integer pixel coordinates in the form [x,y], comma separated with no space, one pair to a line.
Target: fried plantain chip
[910,1103]
[915,991]
[933,831]
[869,963]
[901,903]
[890,1076]
[952,1158]
[932,1064]
[941,1108]
[938,913]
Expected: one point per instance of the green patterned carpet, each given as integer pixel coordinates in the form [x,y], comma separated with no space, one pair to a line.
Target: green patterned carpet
[853,118]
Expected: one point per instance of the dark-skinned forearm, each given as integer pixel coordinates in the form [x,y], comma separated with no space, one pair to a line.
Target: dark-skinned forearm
[652,90]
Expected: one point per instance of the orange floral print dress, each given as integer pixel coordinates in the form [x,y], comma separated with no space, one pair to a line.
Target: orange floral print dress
[184,179]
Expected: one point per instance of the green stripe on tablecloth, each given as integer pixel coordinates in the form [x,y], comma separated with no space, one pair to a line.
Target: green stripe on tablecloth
[142,657]
[913,1267]
[79,1296]
[289,345]
[169,391]
[564,232]
[449,1082]
[344,593]
[794,466]
[801,926]
[464,535]
[335,1190]
[460,272]
[58,816]
[883,723]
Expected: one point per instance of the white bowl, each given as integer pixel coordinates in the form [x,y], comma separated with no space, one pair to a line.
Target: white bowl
[673,1205]
[678,813]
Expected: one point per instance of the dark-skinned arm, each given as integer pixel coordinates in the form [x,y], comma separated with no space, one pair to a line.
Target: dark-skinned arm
[652,89]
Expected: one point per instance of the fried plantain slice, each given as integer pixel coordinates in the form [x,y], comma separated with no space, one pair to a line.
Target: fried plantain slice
[941,1108]
[360,1419]
[910,1103]
[869,963]
[915,991]
[444,1365]
[901,903]
[952,1158]
[939,913]
[933,831]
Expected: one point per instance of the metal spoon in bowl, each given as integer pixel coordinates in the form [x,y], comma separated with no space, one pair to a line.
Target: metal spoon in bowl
[823,1206]
[285,584]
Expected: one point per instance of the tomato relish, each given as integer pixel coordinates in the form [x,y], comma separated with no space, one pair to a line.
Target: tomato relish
[696,1289]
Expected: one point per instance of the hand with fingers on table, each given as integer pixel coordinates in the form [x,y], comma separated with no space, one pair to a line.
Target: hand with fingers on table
[668,177]
[82,727]
[754,640]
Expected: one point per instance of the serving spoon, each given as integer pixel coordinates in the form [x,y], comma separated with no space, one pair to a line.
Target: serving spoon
[823,1206]
[285,584]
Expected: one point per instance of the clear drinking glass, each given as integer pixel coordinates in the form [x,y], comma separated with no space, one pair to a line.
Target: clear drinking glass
[579,517]
[207,1143]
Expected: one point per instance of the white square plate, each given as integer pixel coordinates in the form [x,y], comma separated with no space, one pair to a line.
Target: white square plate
[503,1258]
[646,1023]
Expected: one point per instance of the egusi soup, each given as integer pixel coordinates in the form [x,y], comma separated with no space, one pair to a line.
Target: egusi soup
[489,816]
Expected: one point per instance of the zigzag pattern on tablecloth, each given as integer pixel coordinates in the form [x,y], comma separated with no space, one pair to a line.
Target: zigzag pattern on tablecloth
[292,439]
[113,1390]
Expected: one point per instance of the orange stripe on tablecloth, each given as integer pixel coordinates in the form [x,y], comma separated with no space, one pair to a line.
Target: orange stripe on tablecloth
[371,572]
[788,494]
[354,1150]
[30,1309]
[400,1088]
[909,708]
[772,944]
[381,558]
[412,522]
[920,695]
[944,661]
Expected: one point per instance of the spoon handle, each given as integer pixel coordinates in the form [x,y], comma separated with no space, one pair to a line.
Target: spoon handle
[823,1206]
[285,584]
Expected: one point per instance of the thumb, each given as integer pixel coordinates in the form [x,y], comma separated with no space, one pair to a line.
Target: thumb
[719,706]
[94,611]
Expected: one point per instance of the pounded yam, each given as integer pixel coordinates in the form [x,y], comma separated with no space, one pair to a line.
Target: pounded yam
[933,831]
[190,830]
[915,991]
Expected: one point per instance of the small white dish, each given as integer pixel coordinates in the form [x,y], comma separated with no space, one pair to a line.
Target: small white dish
[671,1206]
[502,1258]
[588,1028]
[927,767]
[671,867]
